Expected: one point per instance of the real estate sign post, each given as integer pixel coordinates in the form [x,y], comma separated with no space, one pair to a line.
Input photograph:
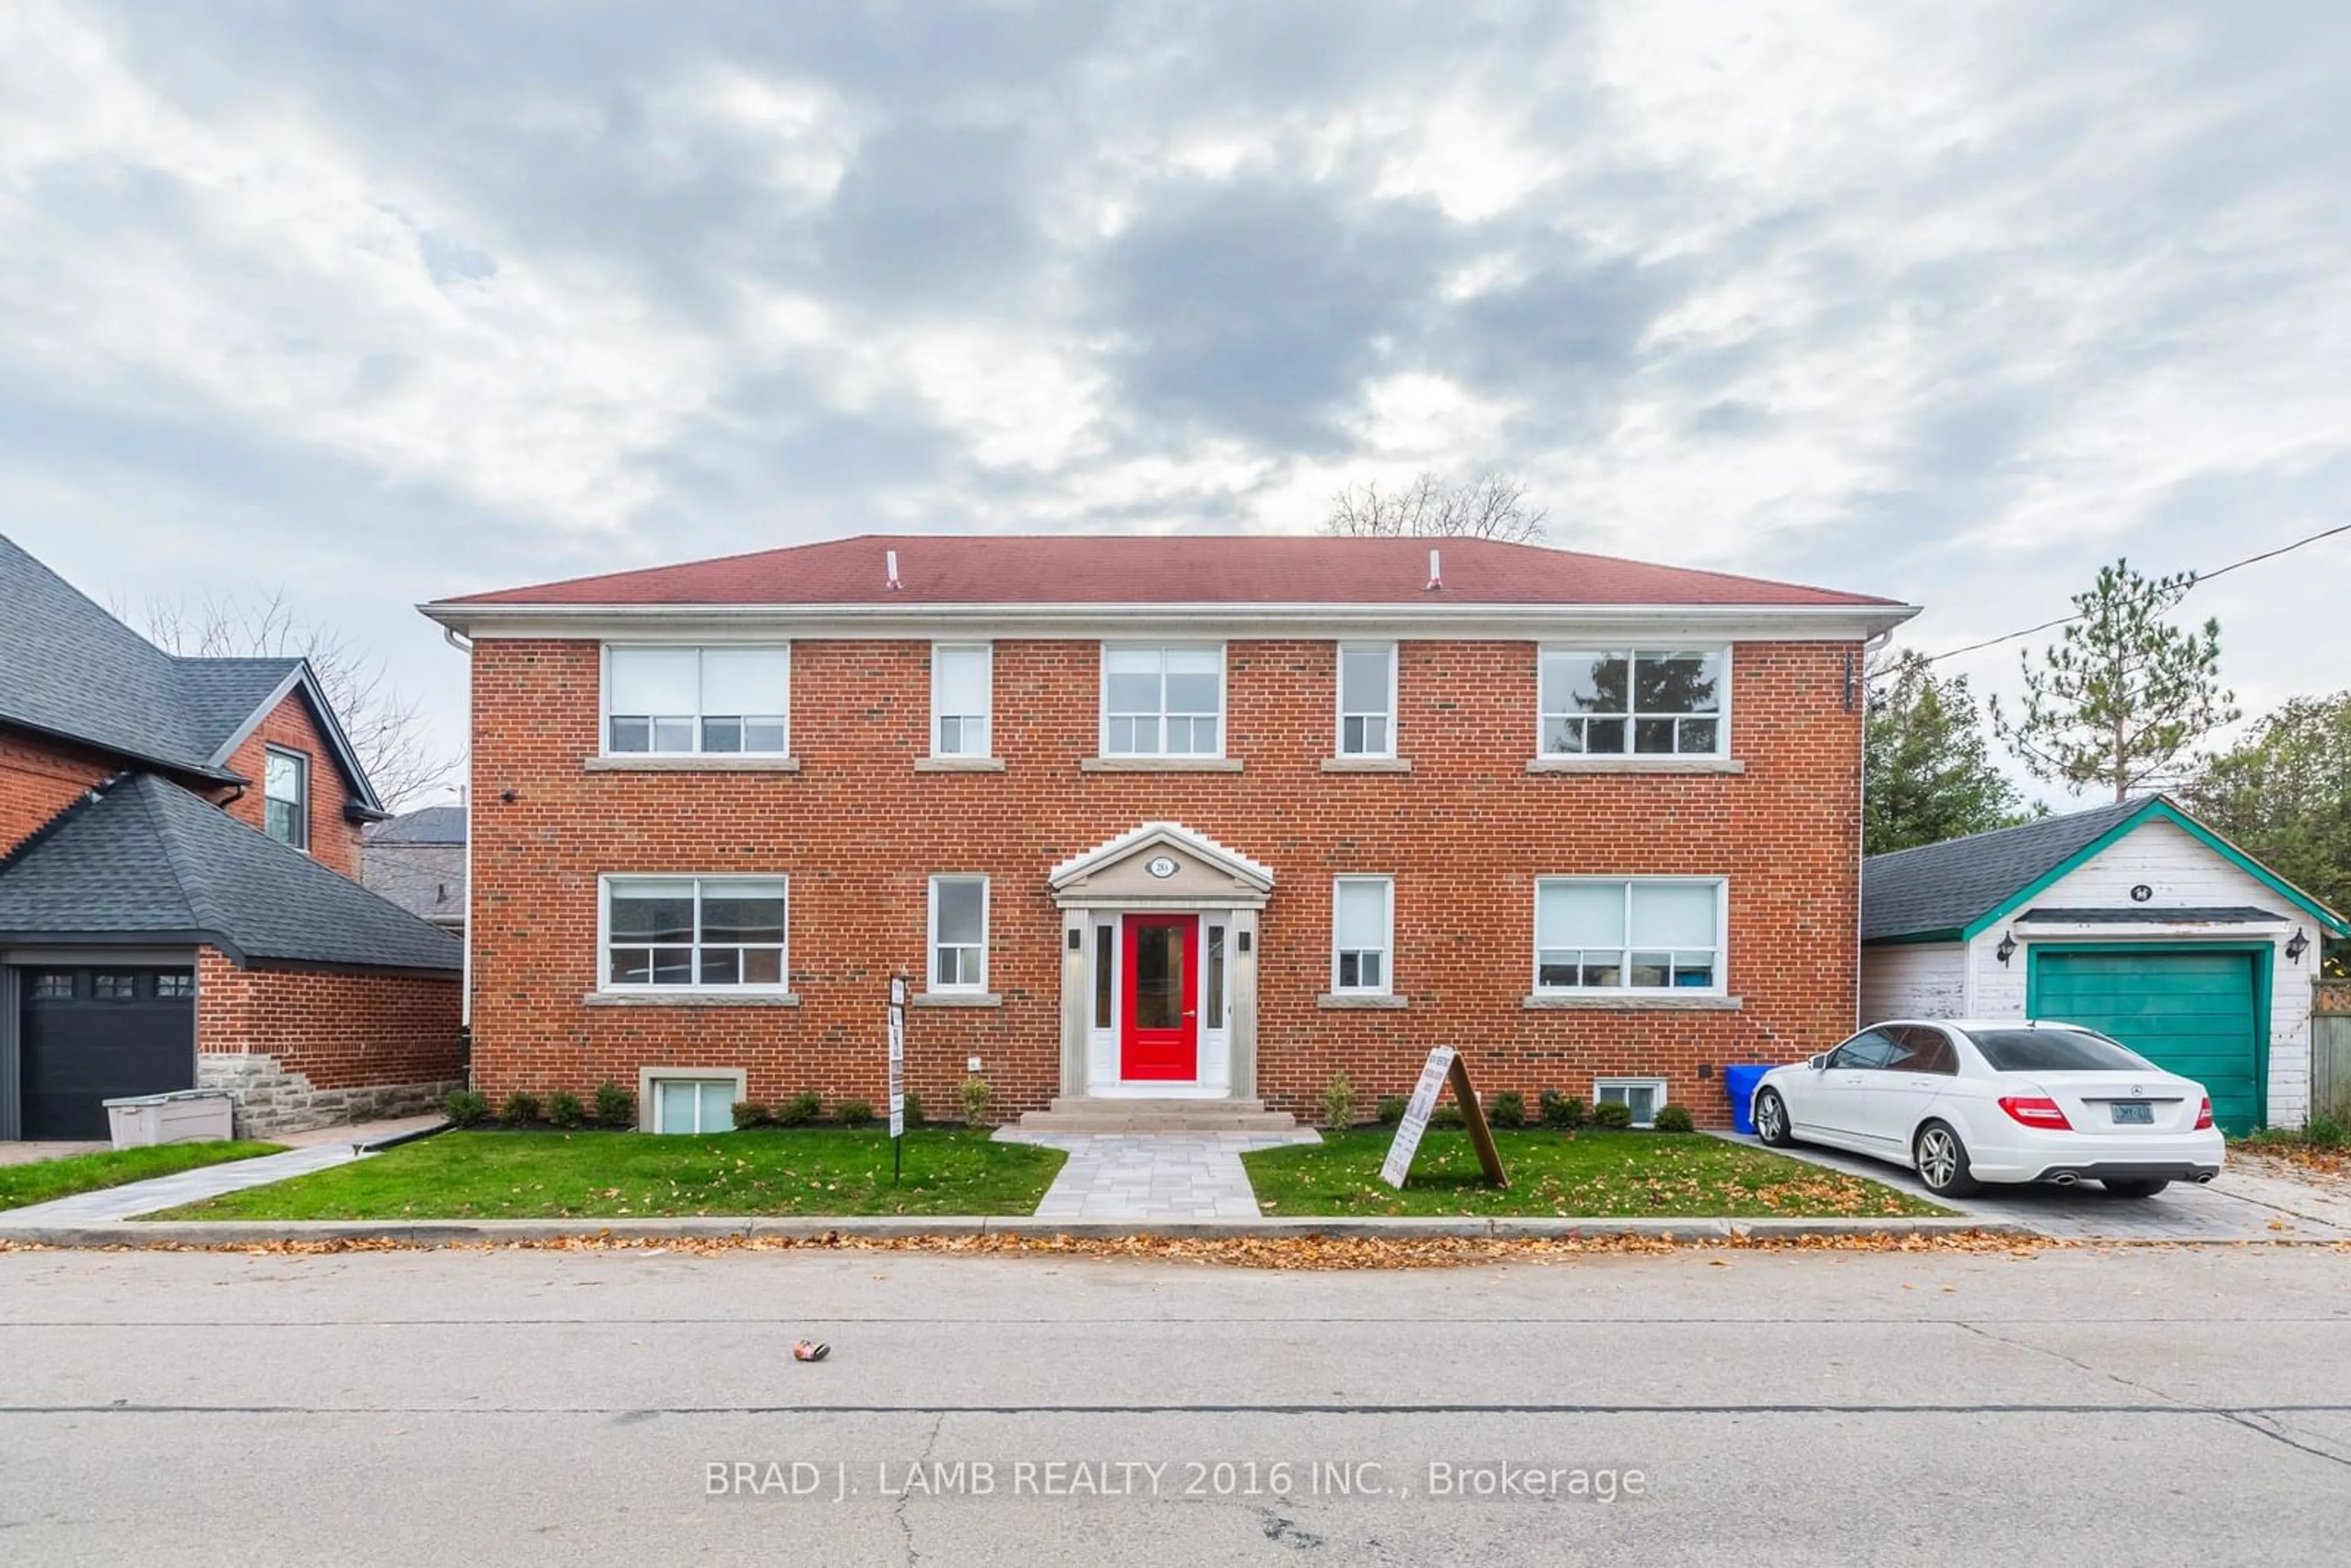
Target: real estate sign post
[897,1074]
[1444,1066]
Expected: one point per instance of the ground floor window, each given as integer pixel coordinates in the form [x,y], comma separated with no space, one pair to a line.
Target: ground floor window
[720,932]
[1642,1097]
[693,1105]
[958,934]
[1362,933]
[1610,934]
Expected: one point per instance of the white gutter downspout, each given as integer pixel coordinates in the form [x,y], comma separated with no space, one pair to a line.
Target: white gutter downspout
[1861,838]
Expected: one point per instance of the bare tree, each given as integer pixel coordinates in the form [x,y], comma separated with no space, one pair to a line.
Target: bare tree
[383,724]
[1493,506]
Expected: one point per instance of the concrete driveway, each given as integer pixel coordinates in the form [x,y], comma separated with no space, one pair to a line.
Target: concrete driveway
[2239,1205]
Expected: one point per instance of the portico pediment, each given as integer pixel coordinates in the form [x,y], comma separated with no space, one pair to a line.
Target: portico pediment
[1160,863]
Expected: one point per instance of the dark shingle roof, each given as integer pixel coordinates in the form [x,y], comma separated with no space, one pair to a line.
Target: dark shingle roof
[142,856]
[70,668]
[430,825]
[1943,887]
[2152,915]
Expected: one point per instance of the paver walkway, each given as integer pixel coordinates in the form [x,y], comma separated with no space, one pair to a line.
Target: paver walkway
[313,1151]
[1153,1176]
[2237,1206]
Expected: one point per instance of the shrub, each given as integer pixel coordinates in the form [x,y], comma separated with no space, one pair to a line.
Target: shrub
[750,1113]
[464,1108]
[1566,1114]
[854,1113]
[914,1109]
[563,1108]
[1392,1109]
[1508,1109]
[2326,1131]
[975,1094]
[1613,1114]
[1675,1119]
[798,1110]
[1446,1116]
[520,1107]
[615,1106]
[1339,1102]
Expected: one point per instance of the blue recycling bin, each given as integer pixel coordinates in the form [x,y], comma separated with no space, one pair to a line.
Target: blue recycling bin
[1739,1082]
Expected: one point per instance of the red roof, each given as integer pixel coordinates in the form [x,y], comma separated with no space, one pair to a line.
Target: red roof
[1165,569]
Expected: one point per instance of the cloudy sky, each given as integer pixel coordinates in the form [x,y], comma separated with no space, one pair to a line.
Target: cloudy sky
[375,303]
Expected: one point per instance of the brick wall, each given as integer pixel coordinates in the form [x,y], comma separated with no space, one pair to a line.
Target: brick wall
[339,1030]
[38,778]
[859,831]
[334,841]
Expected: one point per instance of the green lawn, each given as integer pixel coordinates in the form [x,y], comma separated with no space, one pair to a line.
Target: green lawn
[1617,1174]
[638,1175]
[45,1179]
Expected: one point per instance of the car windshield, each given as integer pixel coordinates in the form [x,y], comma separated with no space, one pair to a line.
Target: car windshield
[2054,1051]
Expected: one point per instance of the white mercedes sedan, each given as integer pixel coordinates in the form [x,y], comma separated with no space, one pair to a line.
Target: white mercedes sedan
[1964,1102]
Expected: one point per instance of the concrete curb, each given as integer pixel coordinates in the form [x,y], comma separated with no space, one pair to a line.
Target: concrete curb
[428,1233]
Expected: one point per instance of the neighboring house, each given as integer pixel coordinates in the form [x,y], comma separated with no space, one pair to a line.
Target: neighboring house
[417,859]
[2133,919]
[1199,822]
[179,844]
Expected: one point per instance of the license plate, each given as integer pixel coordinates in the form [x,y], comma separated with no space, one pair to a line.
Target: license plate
[2135,1115]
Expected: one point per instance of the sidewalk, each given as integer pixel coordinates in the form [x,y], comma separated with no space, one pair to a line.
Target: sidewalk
[1153,1176]
[316,1150]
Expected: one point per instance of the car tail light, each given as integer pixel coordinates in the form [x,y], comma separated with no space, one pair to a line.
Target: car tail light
[2204,1114]
[2036,1111]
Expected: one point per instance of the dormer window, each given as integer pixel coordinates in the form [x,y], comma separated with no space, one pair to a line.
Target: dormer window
[684,701]
[286,797]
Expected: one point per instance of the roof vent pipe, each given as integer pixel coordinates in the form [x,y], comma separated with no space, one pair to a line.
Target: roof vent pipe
[890,572]
[1436,573]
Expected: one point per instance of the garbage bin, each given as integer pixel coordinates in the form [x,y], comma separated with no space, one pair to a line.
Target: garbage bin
[1738,1084]
[189,1116]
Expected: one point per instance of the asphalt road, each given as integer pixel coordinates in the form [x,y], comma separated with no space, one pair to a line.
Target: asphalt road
[2079,1407]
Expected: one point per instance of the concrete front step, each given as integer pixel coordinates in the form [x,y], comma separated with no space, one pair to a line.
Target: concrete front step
[1080,1113]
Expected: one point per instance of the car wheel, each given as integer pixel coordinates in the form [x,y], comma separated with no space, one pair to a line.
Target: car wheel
[1942,1162]
[1771,1119]
[2134,1188]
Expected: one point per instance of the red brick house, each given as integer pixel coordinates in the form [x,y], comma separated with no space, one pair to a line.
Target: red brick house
[1152,820]
[178,849]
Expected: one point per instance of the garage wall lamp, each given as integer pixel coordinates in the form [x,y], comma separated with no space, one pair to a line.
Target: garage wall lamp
[2007,949]
[2300,944]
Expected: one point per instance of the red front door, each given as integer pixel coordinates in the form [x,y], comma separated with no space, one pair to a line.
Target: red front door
[1161,1041]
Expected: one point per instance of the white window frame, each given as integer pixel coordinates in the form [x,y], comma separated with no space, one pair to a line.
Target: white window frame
[301,801]
[1224,704]
[605,696]
[1721,715]
[1721,938]
[1387,936]
[1339,698]
[697,987]
[986,717]
[931,949]
[649,1098]
[1658,1100]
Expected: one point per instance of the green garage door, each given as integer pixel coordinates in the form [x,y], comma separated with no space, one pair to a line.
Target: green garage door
[2190,1012]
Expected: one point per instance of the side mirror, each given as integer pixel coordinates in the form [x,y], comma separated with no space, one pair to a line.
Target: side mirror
[1819,1064]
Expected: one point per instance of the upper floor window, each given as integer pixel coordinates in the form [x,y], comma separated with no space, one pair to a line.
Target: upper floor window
[1639,702]
[687,700]
[1367,699]
[958,934]
[1363,933]
[962,698]
[709,931]
[1595,933]
[1163,702]
[286,798]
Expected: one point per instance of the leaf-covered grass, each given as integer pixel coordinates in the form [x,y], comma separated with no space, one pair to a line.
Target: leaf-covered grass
[1594,1174]
[639,1176]
[44,1179]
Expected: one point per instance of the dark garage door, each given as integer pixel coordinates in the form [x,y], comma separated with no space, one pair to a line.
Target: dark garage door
[2191,1013]
[98,1034]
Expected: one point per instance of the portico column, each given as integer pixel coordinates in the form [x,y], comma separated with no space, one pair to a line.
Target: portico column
[1073,1001]
[1244,1035]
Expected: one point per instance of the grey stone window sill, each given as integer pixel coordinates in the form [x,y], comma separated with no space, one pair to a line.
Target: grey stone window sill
[685,999]
[1344,1001]
[955,1000]
[1159,764]
[700,762]
[1636,765]
[958,765]
[1620,1002]
[1366,765]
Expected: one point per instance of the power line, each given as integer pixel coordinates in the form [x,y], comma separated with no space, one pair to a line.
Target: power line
[2200,578]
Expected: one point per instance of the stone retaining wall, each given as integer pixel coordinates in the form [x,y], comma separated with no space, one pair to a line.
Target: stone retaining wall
[271,1100]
